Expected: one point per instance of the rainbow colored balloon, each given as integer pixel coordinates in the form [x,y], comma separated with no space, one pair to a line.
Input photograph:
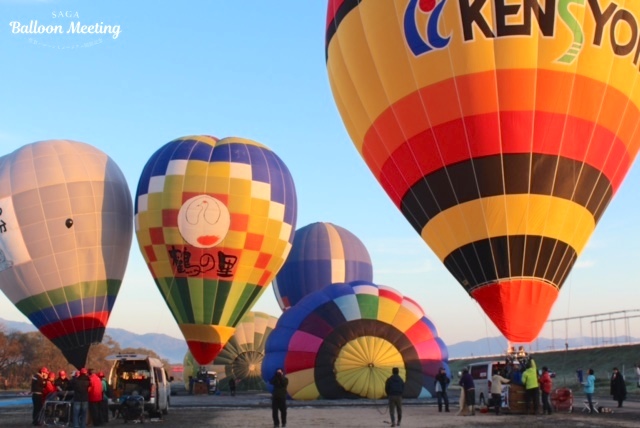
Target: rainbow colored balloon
[501,130]
[65,235]
[215,221]
[343,340]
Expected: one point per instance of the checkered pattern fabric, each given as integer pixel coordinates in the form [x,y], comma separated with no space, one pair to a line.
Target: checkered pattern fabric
[215,285]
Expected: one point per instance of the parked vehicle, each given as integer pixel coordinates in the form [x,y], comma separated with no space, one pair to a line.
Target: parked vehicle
[136,374]
[482,372]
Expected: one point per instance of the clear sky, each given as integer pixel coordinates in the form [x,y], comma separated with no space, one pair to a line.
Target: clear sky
[252,69]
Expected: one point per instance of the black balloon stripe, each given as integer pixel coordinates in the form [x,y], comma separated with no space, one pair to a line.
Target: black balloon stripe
[506,174]
[504,257]
[344,9]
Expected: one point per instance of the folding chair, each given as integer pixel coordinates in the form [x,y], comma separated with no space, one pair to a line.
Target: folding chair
[586,407]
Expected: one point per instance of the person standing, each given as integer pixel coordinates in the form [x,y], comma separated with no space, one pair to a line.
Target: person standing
[441,384]
[95,398]
[469,388]
[279,398]
[62,382]
[80,387]
[531,387]
[38,385]
[104,406]
[590,388]
[49,387]
[496,390]
[546,385]
[394,387]
[232,386]
[618,387]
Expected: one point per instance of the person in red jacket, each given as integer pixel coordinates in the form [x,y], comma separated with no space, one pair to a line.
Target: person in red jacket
[49,386]
[95,398]
[546,385]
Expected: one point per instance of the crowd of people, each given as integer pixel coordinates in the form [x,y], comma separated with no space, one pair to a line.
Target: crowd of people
[538,387]
[86,391]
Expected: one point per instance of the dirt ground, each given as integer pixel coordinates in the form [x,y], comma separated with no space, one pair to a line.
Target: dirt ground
[254,411]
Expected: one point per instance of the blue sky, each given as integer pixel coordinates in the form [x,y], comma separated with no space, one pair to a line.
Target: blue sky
[252,69]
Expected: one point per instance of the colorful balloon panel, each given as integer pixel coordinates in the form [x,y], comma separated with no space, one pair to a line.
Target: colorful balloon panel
[343,340]
[65,235]
[214,221]
[322,254]
[241,358]
[501,132]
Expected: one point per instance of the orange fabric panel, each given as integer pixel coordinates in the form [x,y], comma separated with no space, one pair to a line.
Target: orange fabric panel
[510,305]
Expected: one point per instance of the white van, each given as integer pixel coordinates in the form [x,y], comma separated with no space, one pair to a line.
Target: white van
[482,373]
[143,374]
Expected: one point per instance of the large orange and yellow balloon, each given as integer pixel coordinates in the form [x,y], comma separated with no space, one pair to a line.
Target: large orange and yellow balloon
[501,130]
[215,221]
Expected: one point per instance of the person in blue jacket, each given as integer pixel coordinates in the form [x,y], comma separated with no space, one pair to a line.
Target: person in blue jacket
[590,388]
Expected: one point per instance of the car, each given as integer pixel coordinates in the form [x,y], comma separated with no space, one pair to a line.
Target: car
[138,374]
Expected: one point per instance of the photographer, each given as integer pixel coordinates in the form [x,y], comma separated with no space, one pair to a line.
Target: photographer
[279,398]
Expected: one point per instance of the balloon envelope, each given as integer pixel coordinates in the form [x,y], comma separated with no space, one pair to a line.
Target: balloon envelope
[322,254]
[214,222]
[343,340]
[65,235]
[241,358]
[500,132]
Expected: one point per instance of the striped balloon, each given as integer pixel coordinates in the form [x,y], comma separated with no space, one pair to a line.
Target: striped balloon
[65,236]
[342,341]
[501,132]
[322,254]
[215,222]
[241,358]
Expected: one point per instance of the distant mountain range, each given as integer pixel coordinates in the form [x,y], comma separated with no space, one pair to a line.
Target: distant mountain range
[498,345]
[174,349]
[166,346]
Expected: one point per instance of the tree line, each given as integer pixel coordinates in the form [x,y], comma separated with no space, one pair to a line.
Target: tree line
[23,354]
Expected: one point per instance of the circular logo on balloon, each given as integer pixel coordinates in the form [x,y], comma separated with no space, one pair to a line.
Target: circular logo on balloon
[203,221]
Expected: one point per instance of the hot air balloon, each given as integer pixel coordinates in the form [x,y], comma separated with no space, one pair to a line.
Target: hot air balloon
[65,234]
[343,340]
[241,358]
[322,254]
[215,221]
[501,132]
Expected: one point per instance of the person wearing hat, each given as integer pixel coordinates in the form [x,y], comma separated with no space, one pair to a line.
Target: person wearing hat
[80,387]
[62,382]
[49,387]
[38,385]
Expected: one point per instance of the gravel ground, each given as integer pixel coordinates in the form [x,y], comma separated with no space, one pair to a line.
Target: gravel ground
[252,410]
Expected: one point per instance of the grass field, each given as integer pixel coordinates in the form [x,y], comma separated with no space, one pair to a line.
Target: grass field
[565,363]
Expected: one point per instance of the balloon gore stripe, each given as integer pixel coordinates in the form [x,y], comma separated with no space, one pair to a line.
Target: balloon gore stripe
[343,340]
[517,256]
